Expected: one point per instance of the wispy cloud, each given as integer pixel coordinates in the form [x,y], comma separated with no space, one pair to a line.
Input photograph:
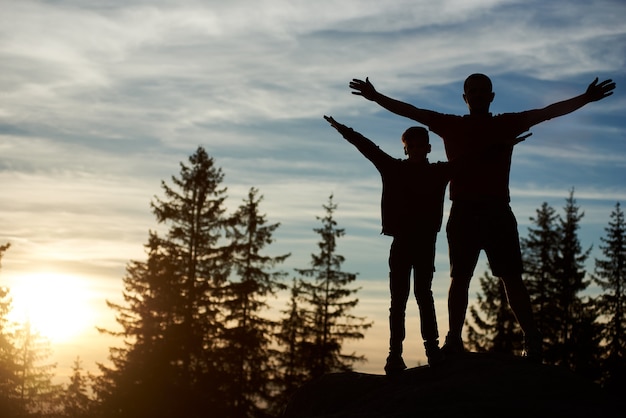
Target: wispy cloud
[102,100]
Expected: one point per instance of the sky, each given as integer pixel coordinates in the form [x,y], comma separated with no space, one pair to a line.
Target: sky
[102,100]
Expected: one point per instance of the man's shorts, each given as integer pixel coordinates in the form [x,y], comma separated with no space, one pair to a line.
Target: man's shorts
[489,226]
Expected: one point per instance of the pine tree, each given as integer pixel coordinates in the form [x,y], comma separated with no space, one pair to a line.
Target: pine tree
[291,359]
[539,253]
[555,276]
[610,275]
[75,399]
[37,395]
[493,327]
[327,303]
[249,334]
[171,320]
[570,282]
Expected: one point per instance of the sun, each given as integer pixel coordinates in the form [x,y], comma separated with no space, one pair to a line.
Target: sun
[56,305]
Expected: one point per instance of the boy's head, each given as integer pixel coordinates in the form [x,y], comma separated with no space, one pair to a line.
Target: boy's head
[478,93]
[416,142]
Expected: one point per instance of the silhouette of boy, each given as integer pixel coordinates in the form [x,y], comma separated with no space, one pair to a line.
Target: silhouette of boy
[481,216]
[411,212]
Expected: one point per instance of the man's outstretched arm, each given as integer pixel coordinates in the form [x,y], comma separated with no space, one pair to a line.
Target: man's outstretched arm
[367,90]
[595,91]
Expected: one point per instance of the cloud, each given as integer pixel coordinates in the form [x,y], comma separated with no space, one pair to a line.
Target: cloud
[103,100]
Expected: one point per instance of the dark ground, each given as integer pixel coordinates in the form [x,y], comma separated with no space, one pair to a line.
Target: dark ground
[475,385]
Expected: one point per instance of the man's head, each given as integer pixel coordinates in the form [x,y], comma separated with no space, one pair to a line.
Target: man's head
[416,143]
[478,93]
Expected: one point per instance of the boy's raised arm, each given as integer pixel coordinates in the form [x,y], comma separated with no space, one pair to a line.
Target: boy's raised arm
[595,91]
[369,149]
[367,90]
[341,128]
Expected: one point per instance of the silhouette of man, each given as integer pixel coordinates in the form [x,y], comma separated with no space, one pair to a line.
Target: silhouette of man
[481,216]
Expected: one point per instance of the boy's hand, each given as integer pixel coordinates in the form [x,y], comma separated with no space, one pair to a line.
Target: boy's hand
[597,91]
[363,88]
[342,129]
[332,121]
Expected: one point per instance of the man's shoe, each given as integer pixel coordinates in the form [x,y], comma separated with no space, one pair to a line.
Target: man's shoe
[394,364]
[453,347]
[434,354]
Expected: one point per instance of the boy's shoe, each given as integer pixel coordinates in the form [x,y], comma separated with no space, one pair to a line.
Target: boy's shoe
[434,354]
[453,347]
[394,364]
[533,347]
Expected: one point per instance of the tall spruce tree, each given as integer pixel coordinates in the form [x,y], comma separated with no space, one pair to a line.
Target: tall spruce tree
[570,281]
[248,352]
[327,303]
[610,275]
[171,320]
[539,254]
[493,326]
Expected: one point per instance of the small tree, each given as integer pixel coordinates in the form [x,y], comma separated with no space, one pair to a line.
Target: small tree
[570,282]
[292,359]
[75,399]
[610,275]
[248,335]
[327,303]
[539,253]
[36,393]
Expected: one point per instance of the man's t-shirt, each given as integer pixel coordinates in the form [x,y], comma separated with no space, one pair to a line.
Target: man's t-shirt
[486,175]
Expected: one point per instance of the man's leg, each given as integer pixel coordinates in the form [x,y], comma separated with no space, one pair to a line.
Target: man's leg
[464,245]
[518,298]
[457,306]
[519,301]
[505,258]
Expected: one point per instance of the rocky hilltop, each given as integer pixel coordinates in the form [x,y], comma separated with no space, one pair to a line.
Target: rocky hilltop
[474,385]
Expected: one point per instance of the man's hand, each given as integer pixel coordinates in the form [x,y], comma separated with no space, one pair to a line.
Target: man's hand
[363,88]
[597,91]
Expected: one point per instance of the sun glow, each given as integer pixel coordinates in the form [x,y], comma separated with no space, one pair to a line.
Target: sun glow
[56,305]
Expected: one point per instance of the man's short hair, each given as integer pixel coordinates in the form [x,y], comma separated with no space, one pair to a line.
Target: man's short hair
[415,133]
[478,77]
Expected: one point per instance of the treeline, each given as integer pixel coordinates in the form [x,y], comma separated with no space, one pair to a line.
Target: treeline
[197,337]
[582,331]
[196,330]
